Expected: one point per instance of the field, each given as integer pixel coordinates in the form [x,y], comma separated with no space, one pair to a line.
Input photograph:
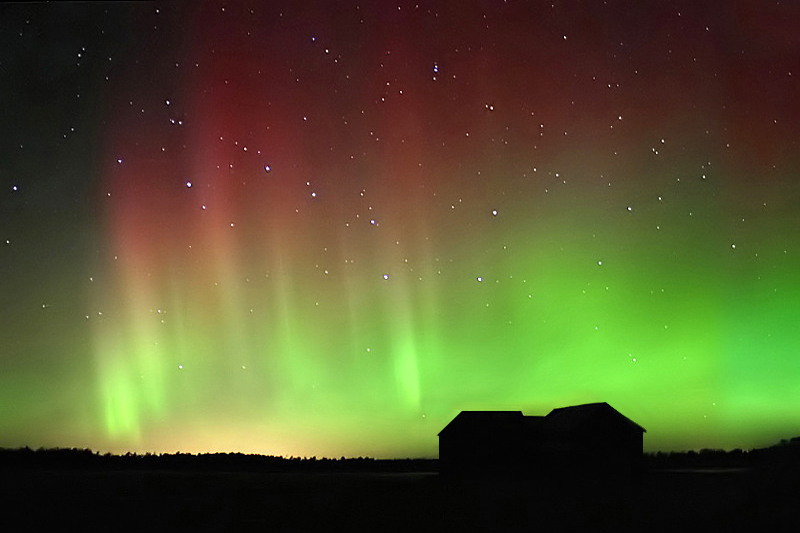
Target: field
[153,500]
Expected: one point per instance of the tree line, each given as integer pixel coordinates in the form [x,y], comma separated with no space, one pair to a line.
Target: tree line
[77,458]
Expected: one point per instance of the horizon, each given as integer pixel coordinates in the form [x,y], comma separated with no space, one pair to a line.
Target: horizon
[759,444]
[326,229]
[780,443]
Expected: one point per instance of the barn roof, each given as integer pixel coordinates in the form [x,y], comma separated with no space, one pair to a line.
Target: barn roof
[578,416]
[484,420]
[563,419]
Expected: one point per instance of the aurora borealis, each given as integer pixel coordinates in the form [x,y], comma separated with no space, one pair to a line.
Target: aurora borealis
[324,228]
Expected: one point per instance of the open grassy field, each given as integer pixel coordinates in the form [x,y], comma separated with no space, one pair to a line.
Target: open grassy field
[153,500]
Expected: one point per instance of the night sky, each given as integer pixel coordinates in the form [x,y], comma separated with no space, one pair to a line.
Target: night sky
[326,227]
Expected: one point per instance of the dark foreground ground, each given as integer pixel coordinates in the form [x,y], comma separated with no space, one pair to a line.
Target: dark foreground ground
[153,500]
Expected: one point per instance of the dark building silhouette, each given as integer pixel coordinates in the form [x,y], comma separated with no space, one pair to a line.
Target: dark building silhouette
[589,439]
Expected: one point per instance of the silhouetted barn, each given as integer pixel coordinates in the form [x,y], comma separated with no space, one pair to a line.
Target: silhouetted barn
[590,438]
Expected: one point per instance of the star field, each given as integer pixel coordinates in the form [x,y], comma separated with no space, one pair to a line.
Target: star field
[327,228]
